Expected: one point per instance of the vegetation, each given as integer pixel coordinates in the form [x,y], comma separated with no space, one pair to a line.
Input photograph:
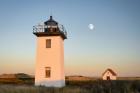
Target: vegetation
[90,86]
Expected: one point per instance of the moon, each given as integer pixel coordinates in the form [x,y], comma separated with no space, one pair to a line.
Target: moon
[91,26]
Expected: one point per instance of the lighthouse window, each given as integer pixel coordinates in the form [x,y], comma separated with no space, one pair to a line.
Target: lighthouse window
[47,72]
[48,43]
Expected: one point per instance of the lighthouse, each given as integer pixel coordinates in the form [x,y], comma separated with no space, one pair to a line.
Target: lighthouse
[49,69]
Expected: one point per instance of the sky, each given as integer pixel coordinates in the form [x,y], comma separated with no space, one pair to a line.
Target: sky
[114,43]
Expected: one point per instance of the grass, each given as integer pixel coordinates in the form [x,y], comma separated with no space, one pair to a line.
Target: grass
[41,89]
[89,86]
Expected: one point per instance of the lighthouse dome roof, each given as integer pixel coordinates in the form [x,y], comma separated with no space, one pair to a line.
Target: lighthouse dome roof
[51,22]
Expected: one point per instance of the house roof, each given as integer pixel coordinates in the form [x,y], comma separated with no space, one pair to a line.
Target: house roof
[111,71]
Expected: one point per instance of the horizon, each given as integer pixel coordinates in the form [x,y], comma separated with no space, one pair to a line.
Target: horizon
[113,43]
[70,75]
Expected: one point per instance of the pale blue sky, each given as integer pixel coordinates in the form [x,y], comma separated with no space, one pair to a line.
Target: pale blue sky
[115,42]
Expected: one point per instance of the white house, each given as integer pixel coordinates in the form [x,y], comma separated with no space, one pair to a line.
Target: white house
[109,74]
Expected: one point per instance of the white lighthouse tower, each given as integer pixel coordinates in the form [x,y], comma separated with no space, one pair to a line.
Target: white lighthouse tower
[49,70]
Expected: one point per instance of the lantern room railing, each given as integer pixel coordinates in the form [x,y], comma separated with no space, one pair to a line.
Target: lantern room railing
[41,28]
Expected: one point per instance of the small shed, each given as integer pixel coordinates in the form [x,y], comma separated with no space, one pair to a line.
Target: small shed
[109,74]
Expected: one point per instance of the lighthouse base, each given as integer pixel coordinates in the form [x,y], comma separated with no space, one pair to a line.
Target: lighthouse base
[54,83]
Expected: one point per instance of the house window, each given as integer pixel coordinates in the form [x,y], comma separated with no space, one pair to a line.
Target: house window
[108,77]
[47,72]
[48,43]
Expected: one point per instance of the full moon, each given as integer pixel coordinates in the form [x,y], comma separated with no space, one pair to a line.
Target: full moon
[91,26]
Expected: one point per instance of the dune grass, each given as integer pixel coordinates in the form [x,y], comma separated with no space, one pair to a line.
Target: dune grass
[97,86]
[41,89]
